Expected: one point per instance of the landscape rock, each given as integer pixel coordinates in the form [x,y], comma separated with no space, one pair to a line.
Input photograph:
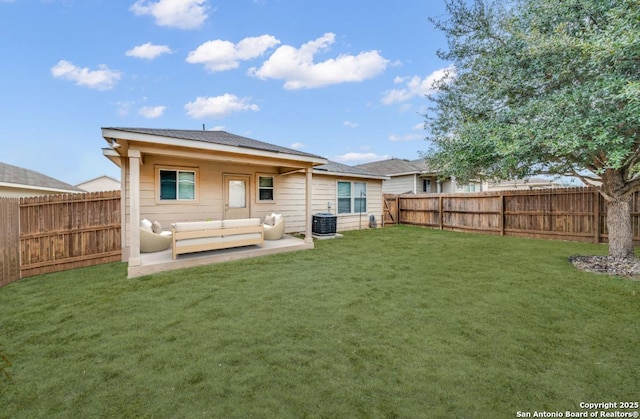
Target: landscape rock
[626,267]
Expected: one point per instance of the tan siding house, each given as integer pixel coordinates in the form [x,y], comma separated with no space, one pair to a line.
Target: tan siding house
[100,184]
[401,184]
[179,175]
[415,176]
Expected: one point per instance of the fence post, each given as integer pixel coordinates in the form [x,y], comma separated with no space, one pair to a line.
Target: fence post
[501,222]
[440,208]
[596,217]
[397,209]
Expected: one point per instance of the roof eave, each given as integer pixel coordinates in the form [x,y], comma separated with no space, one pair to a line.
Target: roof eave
[111,134]
[37,188]
[404,173]
[342,174]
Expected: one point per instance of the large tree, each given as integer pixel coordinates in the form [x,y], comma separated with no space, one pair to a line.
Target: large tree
[543,86]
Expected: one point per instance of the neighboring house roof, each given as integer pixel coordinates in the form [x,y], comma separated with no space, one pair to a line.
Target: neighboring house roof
[18,177]
[214,137]
[397,167]
[100,183]
[335,168]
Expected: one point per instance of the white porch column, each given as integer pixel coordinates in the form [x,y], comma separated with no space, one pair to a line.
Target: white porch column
[123,209]
[134,208]
[308,206]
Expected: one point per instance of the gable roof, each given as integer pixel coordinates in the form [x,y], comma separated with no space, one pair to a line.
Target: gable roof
[212,137]
[396,167]
[336,168]
[99,178]
[19,177]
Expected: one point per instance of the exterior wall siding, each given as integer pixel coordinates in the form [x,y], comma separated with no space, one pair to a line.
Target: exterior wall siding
[325,191]
[400,184]
[289,194]
[100,184]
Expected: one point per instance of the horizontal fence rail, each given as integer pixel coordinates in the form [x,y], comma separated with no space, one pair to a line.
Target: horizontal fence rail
[575,214]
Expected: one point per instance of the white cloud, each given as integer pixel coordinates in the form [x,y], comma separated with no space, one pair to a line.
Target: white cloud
[124,108]
[407,137]
[359,158]
[152,111]
[418,127]
[298,146]
[218,106]
[181,14]
[101,79]
[219,55]
[296,66]
[416,86]
[148,51]
[350,124]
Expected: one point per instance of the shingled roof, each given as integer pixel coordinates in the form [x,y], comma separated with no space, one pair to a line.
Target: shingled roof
[335,167]
[215,137]
[30,179]
[395,166]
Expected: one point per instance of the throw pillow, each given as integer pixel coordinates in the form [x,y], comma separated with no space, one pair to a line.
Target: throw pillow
[278,217]
[270,220]
[146,225]
[156,227]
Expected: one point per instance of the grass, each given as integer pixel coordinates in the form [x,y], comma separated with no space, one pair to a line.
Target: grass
[397,322]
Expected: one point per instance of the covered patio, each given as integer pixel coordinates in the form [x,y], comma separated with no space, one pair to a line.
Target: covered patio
[162,261]
[174,176]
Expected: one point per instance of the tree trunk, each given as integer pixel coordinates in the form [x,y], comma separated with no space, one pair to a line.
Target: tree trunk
[619,227]
[618,215]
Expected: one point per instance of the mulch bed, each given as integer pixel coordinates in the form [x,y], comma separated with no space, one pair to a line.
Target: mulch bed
[626,267]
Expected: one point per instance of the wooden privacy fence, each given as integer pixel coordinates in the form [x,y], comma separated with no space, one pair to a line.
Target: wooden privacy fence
[59,232]
[576,214]
[9,240]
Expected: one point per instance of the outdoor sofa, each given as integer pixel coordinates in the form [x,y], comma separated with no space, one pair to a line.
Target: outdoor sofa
[198,236]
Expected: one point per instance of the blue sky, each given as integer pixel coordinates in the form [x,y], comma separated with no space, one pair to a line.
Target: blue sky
[344,79]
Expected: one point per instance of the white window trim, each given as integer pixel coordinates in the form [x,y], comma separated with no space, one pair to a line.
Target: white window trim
[177,201]
[353,204]
[257,182]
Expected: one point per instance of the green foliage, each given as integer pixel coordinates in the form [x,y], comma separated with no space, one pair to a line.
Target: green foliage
[541,86]
[397,322]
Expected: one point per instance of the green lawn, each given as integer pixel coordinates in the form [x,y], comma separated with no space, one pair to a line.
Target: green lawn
[397,322]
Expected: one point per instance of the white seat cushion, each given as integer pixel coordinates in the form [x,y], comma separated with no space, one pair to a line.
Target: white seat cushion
[146,225]
[197,225]
[245,222]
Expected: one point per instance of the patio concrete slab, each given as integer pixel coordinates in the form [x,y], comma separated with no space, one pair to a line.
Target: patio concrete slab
[162,261]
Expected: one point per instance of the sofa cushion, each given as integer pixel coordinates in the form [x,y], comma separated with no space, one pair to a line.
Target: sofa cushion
[146,225]
[197,225]
[244,222]
[270,220]
[156,227]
